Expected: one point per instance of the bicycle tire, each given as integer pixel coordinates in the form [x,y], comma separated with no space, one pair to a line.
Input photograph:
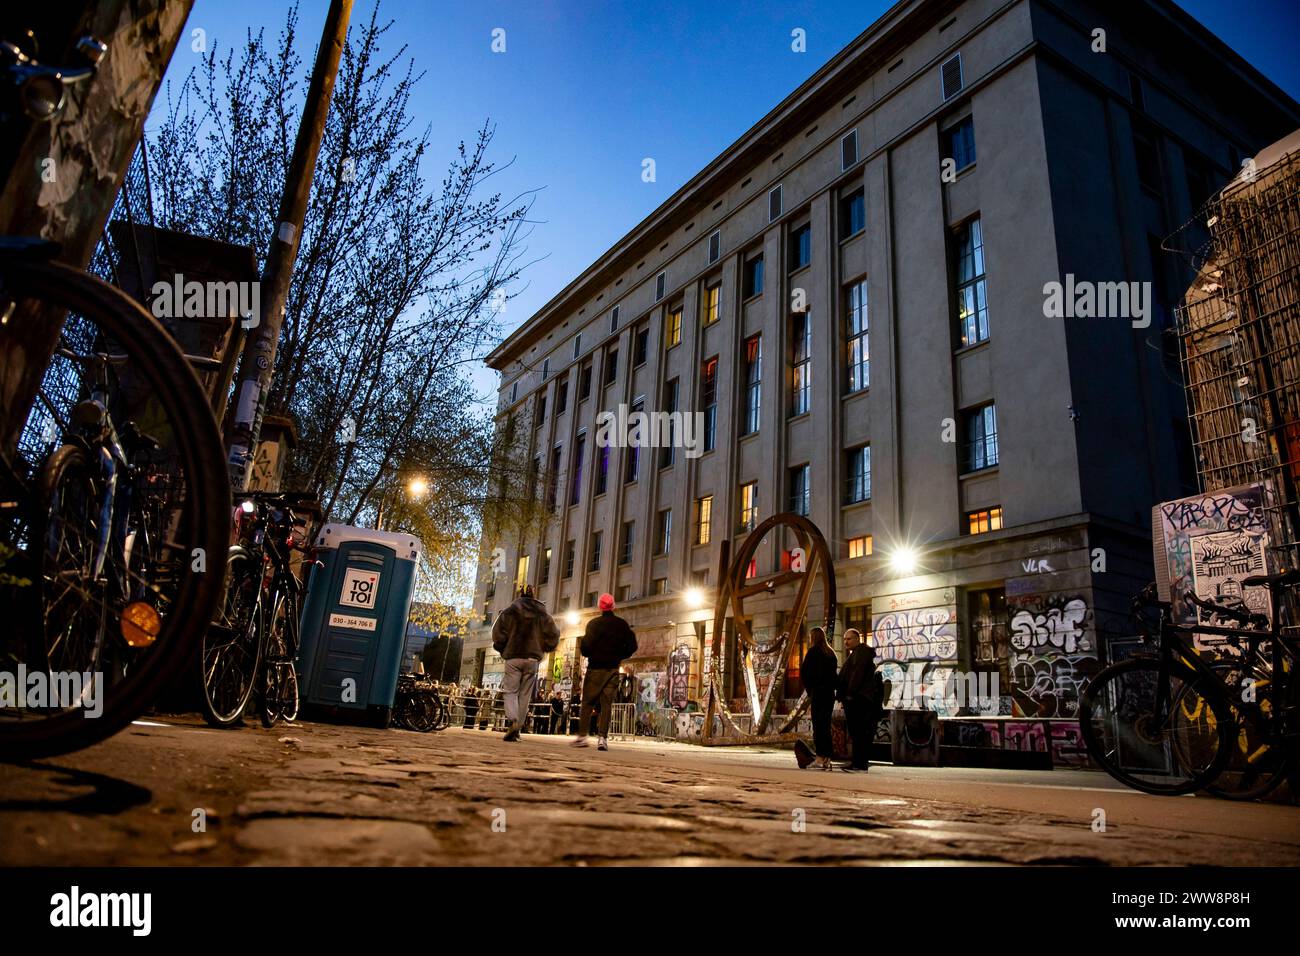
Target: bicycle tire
[1256,767]
[1113,739]
[200,514]
[240,625]
[293,697]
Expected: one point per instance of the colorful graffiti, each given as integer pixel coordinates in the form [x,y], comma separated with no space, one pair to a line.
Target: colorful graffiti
[679,676]
[1052,654]
[924,634]
[1060,738]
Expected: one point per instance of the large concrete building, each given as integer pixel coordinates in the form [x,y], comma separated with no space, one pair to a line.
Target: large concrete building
[854,295]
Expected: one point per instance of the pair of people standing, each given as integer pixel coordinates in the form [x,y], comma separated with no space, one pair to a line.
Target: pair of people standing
[524,633]
[858,685]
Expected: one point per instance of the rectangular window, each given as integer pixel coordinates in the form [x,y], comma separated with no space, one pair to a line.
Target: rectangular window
[593,563]
[800,362]
[858,617]
[1147,150]
[990,628]
[575,466]
[546,368]
[959,144]
[584,382]
[853,214]
[848,149]
[978,522]
[590,599]
[659,586]
[661,286]
[801,247]
[704,519]
[753,383]
[514,392]
[632,458]
[613,319]
[602,473]
[856,337]
[748,506]
[611,368]
[753,278]
[673,335]
[712,301]
[800,490]
[664,531]
[715,247]
[539,413]
[562,396]
[553,479]
[626,541]
[972,299]
[577,345]
[857,480]
[981,439]
[774,208]
[860,546]
[545,576]
[570,549]
[709,401]
[624,593]
[521,573]
[641,346]
[668,451]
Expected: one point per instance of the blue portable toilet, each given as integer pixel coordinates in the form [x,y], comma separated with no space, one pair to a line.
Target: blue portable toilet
[354,620]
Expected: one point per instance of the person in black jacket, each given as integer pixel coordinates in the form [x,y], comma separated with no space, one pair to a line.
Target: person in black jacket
[859,688]
[523,634]
[608,642]
[817,671]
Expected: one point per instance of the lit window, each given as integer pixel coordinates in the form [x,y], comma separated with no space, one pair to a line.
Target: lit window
[979,522]
[858,479]
[704,519]
[860,547]
[748,506]
[712,299]
[801,359]
[972,296]
[800,491]
[981,439]
[859,357]
[673,336]
[753,384]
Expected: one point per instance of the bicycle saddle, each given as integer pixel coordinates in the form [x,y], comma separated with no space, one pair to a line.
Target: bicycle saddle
[1283,578]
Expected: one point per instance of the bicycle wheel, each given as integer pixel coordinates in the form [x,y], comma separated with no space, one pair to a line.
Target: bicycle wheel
[1156,752]
[121,652]
[230,652]
[1260,760]
[292,700]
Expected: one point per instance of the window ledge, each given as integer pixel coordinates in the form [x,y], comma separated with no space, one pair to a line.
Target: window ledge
[855,505]
[794,272]
[963,349]
[978,472]
[861,391]
[796,417]
[855,235]
[749,299]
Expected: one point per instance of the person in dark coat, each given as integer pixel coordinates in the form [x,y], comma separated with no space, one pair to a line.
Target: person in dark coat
[471,706]
[608,642]
[859,691]
[523,634]
[557,712]
[818,673]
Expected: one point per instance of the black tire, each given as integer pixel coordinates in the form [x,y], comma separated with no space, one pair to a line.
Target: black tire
[197,505]
[1159,755]
[230,652]
[1257,766]
[292,696]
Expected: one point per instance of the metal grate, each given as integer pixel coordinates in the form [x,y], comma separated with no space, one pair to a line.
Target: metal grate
[1239,336]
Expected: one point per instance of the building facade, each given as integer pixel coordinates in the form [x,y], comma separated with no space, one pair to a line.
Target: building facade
[854,298]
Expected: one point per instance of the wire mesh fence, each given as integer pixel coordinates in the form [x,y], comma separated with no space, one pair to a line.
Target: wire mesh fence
[1239,336]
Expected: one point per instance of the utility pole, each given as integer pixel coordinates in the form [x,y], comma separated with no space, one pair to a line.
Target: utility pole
[257,366]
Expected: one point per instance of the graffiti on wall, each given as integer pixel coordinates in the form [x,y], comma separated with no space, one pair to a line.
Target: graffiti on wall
[925,634]
[1052,655]
[1211,541]
[679,676]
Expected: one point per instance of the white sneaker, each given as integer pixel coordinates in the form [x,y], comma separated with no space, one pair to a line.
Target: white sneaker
[579,741]
[603,744]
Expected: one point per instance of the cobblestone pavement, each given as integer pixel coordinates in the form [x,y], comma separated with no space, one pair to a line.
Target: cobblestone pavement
[336,795]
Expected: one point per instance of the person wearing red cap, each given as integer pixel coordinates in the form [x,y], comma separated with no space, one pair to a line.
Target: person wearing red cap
[608,642]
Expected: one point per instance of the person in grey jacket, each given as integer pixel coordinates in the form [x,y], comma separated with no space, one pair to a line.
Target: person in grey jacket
[523,634]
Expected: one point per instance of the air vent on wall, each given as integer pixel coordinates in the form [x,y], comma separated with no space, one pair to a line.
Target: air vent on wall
[849,149]
[952,79]
[660,286]
[774,204]
[715,246]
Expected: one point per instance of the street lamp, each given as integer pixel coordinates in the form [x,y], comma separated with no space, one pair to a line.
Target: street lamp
[904,560]
[417,488]
[694,597]
[572,619]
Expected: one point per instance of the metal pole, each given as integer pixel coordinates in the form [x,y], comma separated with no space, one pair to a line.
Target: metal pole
[258,363]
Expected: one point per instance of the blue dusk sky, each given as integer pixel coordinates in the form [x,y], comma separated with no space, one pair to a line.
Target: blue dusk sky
[586,90]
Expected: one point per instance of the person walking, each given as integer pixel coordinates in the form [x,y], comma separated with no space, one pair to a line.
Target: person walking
[608,642]
[818,673]
[470,704]
[523,634]
[859,686]
[558,708]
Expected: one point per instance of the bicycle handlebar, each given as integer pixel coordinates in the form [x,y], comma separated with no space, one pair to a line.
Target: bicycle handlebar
[1248,618]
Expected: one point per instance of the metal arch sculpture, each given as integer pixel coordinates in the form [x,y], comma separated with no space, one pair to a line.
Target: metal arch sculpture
[732,591]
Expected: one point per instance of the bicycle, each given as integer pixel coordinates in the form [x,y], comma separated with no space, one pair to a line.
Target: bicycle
[111,555]
[250,650]
[417,705]
[1176,723]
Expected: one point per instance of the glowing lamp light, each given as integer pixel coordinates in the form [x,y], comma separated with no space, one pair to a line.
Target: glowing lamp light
[418,487]
[140,624]
[572,619]
[694,597]
[904,560]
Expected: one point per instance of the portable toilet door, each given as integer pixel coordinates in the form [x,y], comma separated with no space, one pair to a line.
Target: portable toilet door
[354,659]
